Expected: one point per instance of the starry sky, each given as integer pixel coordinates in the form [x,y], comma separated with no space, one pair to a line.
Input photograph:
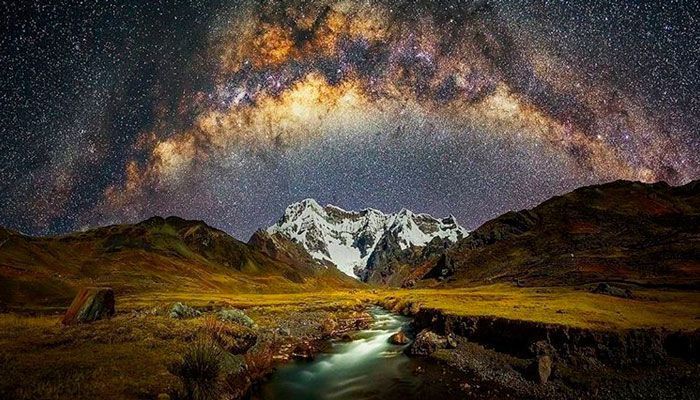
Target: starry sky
[227,111]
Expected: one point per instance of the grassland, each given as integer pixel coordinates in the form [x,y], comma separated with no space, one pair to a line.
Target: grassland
[670,309]
[129,356]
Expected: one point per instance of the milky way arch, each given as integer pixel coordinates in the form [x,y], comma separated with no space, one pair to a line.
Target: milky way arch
[469,108]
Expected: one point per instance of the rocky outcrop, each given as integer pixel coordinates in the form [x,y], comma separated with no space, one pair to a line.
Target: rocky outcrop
[237,316]
[91,304]
[426,343]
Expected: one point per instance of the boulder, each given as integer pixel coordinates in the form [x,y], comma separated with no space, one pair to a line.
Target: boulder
[89,305]
[236,316]
[426,343]
[183,311]
[303,351]
[399,338]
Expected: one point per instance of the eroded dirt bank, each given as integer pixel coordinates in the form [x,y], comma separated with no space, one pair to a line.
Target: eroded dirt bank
[538,360]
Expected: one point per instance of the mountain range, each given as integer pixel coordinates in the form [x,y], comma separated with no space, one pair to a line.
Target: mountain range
[357,242]
[646,234]
[622,231]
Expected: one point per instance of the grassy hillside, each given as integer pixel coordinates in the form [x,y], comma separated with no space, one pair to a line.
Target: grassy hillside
[155,255]
[646,234]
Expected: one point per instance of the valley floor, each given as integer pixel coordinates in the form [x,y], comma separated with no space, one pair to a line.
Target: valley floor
[139,352]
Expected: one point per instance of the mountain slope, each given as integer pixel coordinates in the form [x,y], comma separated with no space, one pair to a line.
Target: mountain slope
[620,231]
[159,254]
[363,243]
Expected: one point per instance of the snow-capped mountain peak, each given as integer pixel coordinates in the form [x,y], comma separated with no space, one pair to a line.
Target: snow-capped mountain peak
[348,239]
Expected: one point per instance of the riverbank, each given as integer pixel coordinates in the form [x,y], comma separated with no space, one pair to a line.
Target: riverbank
[142,352]
[540,360]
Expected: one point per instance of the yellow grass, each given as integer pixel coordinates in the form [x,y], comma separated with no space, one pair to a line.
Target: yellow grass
[580,308]
[243,300]
[561,305]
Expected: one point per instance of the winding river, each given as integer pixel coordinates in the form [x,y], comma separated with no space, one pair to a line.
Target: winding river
[368,367]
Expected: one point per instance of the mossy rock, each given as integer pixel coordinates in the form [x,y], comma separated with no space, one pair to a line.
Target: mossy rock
[237,316]
[183,311]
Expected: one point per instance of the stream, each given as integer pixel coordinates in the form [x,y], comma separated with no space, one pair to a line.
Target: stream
[368,367]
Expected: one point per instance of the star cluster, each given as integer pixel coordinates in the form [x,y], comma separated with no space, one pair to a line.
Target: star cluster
[228,111]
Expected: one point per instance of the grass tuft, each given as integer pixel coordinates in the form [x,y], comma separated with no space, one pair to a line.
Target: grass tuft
[200,371]
[232,337]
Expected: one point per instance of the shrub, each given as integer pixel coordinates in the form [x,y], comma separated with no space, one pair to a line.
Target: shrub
[182,311]
[200,371]
[256,363]
[234,338]
[260,359]
[237,316]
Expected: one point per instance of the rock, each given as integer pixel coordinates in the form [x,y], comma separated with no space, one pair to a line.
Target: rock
[346,337]
[183,311]
[284,332]
[426,343]
[542,348]
[451,342]
[163,396]
[398,338]
[544,368]
[329,325]
[90,305]
[303,351]
[604,288]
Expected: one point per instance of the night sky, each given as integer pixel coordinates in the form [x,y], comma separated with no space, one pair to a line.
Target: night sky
[227,111]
